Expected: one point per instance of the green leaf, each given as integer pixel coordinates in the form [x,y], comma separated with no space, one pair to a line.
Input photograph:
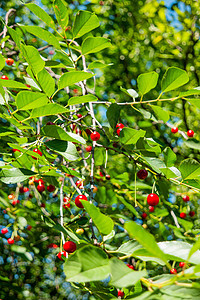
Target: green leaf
[70,78]
[13,84]
[28,100]
[130,136]
[41,14]
[195,102]
[128,205]
[130,92]
[169,157]
[160,113]
[2,62]
[15,175]
[85,21]
[61,12]
[59,133]
[173,79]
[194,91]
[129,247]
[43,34]
[33,58]
[64,148]
[82,99]
[189,168]
[50,109]
[193,144]
[89,263]
[18,249]
[145,239]
[147,82]
[98,65]
[194,248]
[103,223]
[123,276]
[113,113]
[16,38]
[94,44]
[47,83]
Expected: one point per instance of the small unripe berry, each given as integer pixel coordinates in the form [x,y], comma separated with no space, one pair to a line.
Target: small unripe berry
[95,136]
[69,246]
[142,174]
[174,129]
[77,200]
[11,197]
[80,231]
[190,133]
[152,199]
[173,271]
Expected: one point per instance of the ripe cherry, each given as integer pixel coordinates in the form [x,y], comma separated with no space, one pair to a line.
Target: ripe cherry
[95,189]
[152,199]
[29,227]
[4,77]
[50,123]
[11,197]
[182,264]
[79,184]
[51,188]
[28,85]
[190,133]
[64,253]
[119,130]
[107,177]
[183,215]
[77,200]
[66,199]
[120,294]
[191,213]
[15,202]
[95,136]
[79,115]
[42,205]
[69,246]
[174,129]
[9,61]
[51,52]
[88,148]
[14,150]
[186,198]
[41,188]
[131,266]
[66,205]
[120,125]
[142,174]
[78,131]
[26,189]
[72,126]
[10,241]
[52,245]
[75,91]
[21,189]
[88,131]
[4,230]
[36,151]
[144,215]
[151,208]
[173,271]
[100,174]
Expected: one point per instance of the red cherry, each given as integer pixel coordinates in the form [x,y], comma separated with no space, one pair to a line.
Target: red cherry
[52,245]
[78,131]
[4,77]
[191,213]
[182,264]
[186,198]
[152,199]
[42,205]
[75,91]
[41,188]
[69,246]
[88,148]
[66,205]
[36,151]
[66,199]
[26,189]
[120,125]
[77,200]
[79,184]
[29,227]
[79,115]
[120,294]
[174,129]
[142,174]
[190,133]
[95,136]
[9,61]
[62,253]
[183,215]
[119,130]
[51,188]
[40,181]
[15,202]
[88,131]
[14,150]
[21,189]
[4,230]
[101,3]
[151,208]
[144,215]
[50,123]
[131,266]
[173,271]
[100,174]
[107,177]
[28,85]
[10,241]
[72,126]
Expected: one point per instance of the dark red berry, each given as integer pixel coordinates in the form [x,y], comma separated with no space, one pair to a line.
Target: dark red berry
[191,213]
[173,271]
[107,177]
[79,184]
[10,241]
[64,253]
[51,188]
[52,245]
[4,77]
[29,227]
[50,123]
[174,129]
[42,205]
[190,133]
[151,208]
[142,174]
[77,200]
[4,230]
[144,215]
[41,188]
[79,115]
[183,215]
[182,264]
[152,199]
[95,136]
[88,148]
[9,61]
[28,85]
[186,198]
[69,246]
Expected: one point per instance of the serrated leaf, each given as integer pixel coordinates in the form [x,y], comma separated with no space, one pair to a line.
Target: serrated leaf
[15,175]
[189,168]
[64,148]
[113,113]
[94,44]
[82,99]
[169,157]
[13,84]
[130,136]
[50,109]
[61,13]
[70,78]
[47,83]
[147,82]
[32,56]
[28,100]
[85,21]
[41,14]
[160,113]
[173,79]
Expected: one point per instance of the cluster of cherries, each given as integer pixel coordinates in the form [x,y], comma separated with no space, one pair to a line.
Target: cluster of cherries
[69,248]
[183,215]
[190,133]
